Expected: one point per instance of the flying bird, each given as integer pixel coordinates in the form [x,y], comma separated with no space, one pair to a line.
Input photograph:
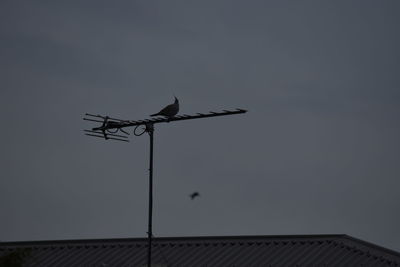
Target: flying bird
[194,195]
[169,111]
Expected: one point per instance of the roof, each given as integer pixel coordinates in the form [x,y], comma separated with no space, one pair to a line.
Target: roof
[273,251]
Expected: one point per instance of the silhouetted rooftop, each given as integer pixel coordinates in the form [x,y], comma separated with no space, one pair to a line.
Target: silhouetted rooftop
[291,250]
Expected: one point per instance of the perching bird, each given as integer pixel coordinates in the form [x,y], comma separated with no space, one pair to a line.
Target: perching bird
[194,195]
[169,111]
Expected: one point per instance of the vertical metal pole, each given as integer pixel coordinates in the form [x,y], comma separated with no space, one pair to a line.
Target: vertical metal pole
[150,130]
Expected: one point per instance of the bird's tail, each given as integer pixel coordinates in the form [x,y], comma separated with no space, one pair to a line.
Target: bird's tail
[155,114]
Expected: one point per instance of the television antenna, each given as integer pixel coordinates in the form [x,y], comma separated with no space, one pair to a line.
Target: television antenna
[114,129]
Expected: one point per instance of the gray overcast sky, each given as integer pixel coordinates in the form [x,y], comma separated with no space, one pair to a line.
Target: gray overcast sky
[318,152]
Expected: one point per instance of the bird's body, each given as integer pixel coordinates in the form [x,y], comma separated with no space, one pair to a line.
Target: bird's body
[169,111]
[194,195]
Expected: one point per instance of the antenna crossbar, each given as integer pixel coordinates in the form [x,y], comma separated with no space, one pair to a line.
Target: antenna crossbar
[113,123]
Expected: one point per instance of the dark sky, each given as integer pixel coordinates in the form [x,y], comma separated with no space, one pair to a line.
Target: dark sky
[318,152]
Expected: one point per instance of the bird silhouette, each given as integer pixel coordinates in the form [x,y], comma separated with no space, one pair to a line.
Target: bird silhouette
[169,111]
[194,195]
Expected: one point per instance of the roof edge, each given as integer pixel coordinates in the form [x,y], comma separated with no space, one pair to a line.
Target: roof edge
[180,238]
[372,245]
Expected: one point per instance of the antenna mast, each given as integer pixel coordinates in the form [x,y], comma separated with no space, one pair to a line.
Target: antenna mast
[113,129]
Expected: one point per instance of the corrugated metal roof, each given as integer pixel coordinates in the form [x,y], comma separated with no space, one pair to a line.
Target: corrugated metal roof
[271,251]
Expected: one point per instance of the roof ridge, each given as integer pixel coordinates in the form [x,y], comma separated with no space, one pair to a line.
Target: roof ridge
[180,238]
